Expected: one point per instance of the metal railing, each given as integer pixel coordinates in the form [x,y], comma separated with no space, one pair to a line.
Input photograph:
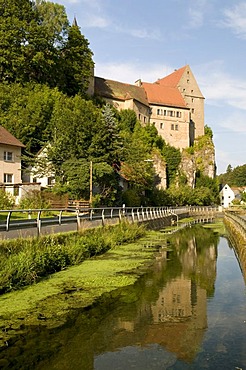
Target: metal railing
[39,218]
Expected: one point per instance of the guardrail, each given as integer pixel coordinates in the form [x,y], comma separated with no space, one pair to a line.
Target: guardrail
[38,218]
[239,221]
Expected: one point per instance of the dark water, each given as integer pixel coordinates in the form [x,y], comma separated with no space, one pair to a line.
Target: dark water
[188,313]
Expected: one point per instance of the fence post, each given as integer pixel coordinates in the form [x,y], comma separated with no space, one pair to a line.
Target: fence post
[39,222]
[60,217]
[78,219]
[8,221]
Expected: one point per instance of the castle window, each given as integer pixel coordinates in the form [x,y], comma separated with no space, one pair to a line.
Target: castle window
[165,112]
[158,112]
[139,116]
[172,126]
[188,81]
[192,91]
[161,125]
[178,114]
[171,113]
[183,90]
[192,110]
[192,100]
[176,127]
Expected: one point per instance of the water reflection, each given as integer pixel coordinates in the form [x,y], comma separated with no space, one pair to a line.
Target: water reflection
[170,319]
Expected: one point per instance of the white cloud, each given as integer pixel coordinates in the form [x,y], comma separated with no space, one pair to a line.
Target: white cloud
[197,13]
[220,88]
[235,18]
[142,33]
[130,72]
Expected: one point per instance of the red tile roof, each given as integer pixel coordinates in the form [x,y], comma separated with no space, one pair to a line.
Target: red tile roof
[173,79]
[119,90]
[164,95]
[8,139]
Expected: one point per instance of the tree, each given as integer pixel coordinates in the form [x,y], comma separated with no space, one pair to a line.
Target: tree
[77,63]
[127,120]
[26,112]
[15,19]
[107,144]
[37,45]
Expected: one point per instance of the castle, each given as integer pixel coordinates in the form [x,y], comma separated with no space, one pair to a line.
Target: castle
[174,104]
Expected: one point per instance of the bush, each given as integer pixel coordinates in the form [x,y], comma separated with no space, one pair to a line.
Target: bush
[33,200]
[6,200]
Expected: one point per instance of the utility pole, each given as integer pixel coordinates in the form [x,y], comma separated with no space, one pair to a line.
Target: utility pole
[91,184]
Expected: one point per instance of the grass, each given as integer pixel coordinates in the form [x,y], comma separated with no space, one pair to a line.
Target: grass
[26,261]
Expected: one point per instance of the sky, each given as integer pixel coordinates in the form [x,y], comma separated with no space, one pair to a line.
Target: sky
[140,39]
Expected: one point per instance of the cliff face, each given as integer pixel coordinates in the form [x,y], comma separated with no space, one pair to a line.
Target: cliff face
[200,158]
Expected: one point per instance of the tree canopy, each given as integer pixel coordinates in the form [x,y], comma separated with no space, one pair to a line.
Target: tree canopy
[38,45]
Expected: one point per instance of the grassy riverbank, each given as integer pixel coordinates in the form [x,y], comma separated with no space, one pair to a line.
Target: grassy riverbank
[24,262]
[50,301]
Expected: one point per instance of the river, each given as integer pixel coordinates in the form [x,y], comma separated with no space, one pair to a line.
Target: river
[188,312]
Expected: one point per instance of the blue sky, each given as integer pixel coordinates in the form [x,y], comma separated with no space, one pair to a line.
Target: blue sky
[134,39]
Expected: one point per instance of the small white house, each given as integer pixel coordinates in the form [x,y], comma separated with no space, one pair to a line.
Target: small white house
[42,171]
[226,196]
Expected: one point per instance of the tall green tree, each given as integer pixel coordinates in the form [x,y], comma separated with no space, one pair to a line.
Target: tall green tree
[107,144]
[26,112]
[38,45]
[16,17]
[77,63]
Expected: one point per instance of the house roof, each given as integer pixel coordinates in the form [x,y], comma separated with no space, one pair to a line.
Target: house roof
[164,95]
[119,90]
[173,79]
[8,139]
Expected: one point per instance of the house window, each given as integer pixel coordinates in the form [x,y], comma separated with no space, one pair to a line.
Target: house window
[176,127]
[161,125]
[8,178]
[51,180]
[165,112]
[192,110]
[172,126]
[8,156]
[139,117]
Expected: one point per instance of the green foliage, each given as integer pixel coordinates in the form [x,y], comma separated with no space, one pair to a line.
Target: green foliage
[6,200]
[26,112]
[33,200]
[132,198]
[106,144]
[37,45]
[172,157]
[234,177]
[26,261]
[78,63]
[127,120]
[208,131]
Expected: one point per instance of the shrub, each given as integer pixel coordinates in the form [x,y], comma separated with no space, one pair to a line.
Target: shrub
[6,200]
